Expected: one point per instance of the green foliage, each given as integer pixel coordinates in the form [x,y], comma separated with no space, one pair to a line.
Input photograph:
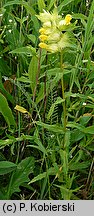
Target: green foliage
[6,167]
[6,111]
[47,151]
[24,168]
[32,72]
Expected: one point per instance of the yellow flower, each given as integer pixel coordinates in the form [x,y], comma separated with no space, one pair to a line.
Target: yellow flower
[68,18]
[43,37]
[43,45]
[45,31]
[64,22]
[51,36]
[42,31]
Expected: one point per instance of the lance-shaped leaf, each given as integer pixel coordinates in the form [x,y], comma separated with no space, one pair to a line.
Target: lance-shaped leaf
[6,111]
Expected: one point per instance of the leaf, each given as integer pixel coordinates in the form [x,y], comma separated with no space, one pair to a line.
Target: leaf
[79,16]
[29,50]
[85,118]
[51,3]
[25,4]
[80,127]
[36,25]
[39,145]
[89,44]
[64,3]
[6,94]
[50,171]
[32,38]
[58,73]
[24,168]
[75,125]
[54,71]
[58,101]
[32,71]
[12,140]
[66,192]
[41,5]
[64,161]
[89,130]
[37,178]
[90,23]
[23,79]
[4,68]
[6,167]
[40,93]
[54,128]
[6,111]
[79,166]
[21,109]
[76,135]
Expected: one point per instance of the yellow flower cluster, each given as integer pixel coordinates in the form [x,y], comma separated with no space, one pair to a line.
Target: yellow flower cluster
[51,37]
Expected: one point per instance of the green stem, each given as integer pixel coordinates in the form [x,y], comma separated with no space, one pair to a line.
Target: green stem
[19,70]
[19,118]
[9,187]
[63,93]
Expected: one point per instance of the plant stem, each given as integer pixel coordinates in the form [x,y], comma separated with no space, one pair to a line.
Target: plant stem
[19,117]
[45,93]
[19,70]
[38,72]
[37,76]
[63,93]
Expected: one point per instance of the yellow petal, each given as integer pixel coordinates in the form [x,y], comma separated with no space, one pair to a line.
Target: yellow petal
[43,37]
[68,19]
[42,31]
[45,31]
[43,45]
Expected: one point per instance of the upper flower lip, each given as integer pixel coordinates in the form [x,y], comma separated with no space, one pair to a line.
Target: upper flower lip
[43,37]
[43,45]
[68,19]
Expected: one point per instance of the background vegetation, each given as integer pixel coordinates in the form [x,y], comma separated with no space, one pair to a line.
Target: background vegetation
[39,157]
